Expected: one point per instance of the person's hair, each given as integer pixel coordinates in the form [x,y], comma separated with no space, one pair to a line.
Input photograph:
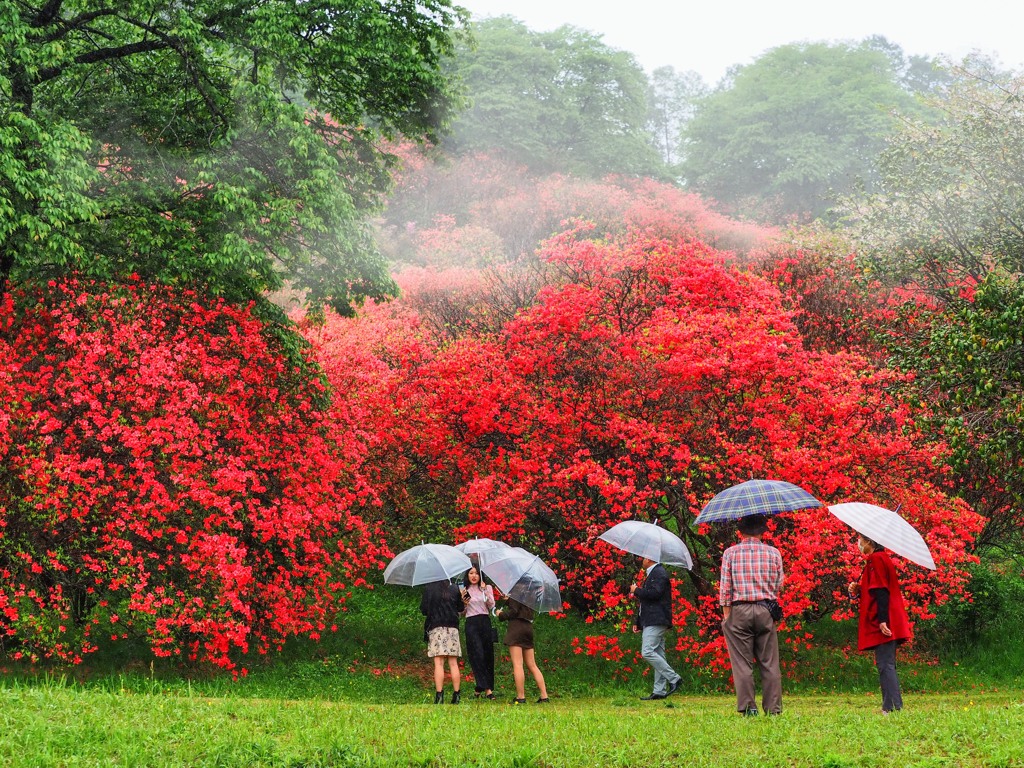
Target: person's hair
[481,583]
[874,544]
[752,525]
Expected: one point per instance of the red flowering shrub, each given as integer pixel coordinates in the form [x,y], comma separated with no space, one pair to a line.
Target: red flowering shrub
[164,475]
[646,376]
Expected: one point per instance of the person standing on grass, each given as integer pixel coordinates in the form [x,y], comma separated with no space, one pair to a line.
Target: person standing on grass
[519,639]
[883,623]
[653,619]
[479,638]
[751,574]
[441,604]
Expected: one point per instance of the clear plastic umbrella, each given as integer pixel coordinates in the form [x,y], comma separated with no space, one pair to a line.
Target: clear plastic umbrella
[886,528]
[522,576]
[476,546]
[756,497]
[425,563]
[650,541]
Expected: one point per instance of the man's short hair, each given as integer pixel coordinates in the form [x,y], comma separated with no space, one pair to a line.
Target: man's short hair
[752,525]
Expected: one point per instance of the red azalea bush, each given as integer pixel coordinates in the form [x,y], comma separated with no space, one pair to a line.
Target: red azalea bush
[165,475]
[644,377]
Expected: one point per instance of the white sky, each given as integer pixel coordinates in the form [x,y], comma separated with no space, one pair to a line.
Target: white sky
[709,36]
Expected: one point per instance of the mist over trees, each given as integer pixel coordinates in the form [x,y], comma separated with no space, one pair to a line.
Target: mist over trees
[803,123]
[776,140]
[553,101]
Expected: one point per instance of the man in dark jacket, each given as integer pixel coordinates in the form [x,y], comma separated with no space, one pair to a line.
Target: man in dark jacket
[653,618]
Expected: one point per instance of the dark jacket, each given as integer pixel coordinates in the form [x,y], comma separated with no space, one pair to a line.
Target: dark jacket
[655,598]
[515,610]
[441,604]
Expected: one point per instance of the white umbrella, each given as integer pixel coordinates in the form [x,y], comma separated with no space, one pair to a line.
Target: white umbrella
[522,576]
[425,563]
[476,546]
[650,541]
[886,528]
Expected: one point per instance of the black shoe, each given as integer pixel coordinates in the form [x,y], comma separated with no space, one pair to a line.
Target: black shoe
[518,701]
[751,712]
[489,696]
[455,697]
[544,700]
[673,687]
[653,697]
[439,697]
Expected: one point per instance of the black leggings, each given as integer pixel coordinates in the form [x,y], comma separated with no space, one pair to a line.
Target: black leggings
[480,650]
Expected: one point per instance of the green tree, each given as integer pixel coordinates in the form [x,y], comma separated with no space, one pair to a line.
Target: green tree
[948,220]
[233,145]
[553,101]
[804,121]
[672,100]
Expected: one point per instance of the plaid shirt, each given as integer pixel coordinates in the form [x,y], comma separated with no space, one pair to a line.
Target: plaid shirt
[751,570]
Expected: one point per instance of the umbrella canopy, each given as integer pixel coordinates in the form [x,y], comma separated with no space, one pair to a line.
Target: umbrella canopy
[476,546]
[756,497]
[425,563]
[650,541]
[522,576]
[886,528]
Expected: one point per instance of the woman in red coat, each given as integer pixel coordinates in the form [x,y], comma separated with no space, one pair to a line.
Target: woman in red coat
[883,620]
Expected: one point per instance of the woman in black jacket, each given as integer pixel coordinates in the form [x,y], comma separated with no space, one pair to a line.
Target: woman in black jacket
[519,639]
[441,604]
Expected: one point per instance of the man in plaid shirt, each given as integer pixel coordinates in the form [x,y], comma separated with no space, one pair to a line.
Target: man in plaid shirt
[752,573]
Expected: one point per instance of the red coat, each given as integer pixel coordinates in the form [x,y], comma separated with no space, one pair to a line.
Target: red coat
[879,572]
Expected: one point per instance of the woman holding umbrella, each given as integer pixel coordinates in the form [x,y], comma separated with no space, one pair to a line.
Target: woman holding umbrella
[442,603]
[479,640]
[883,622]
[519,639]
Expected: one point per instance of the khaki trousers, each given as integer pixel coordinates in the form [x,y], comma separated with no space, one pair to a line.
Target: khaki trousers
[750,634]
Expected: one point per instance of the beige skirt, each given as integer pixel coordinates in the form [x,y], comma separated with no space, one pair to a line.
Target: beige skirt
[443,641]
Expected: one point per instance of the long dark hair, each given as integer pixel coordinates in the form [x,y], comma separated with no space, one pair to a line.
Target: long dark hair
[465,579]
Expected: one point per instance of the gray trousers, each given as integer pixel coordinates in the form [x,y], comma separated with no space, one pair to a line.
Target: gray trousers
[652,648]
[885,660]
[750,634]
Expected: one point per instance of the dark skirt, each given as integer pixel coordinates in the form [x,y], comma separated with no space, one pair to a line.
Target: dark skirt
[519,633]
[480,650]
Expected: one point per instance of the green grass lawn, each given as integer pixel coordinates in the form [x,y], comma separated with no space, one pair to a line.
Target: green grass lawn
[55,726]
[360,697]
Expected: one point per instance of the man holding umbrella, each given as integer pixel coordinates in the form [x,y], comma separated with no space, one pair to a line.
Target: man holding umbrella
[654,545]
[752,573]
[653,618]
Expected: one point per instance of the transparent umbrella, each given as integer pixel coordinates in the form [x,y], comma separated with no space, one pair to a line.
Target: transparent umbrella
[887,528]
[650,541]
[425,563]
[522,576]
[476,546]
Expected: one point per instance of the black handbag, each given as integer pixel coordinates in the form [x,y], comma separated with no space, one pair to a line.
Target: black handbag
[774,610]
[494,635]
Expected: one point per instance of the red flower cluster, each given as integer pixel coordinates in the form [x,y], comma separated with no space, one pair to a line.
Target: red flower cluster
[642,377]
[164,474]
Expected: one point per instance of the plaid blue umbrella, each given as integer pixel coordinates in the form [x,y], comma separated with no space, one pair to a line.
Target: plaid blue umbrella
[756,497]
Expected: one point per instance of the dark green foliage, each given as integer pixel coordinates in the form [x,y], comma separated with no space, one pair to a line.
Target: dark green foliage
[235,146]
